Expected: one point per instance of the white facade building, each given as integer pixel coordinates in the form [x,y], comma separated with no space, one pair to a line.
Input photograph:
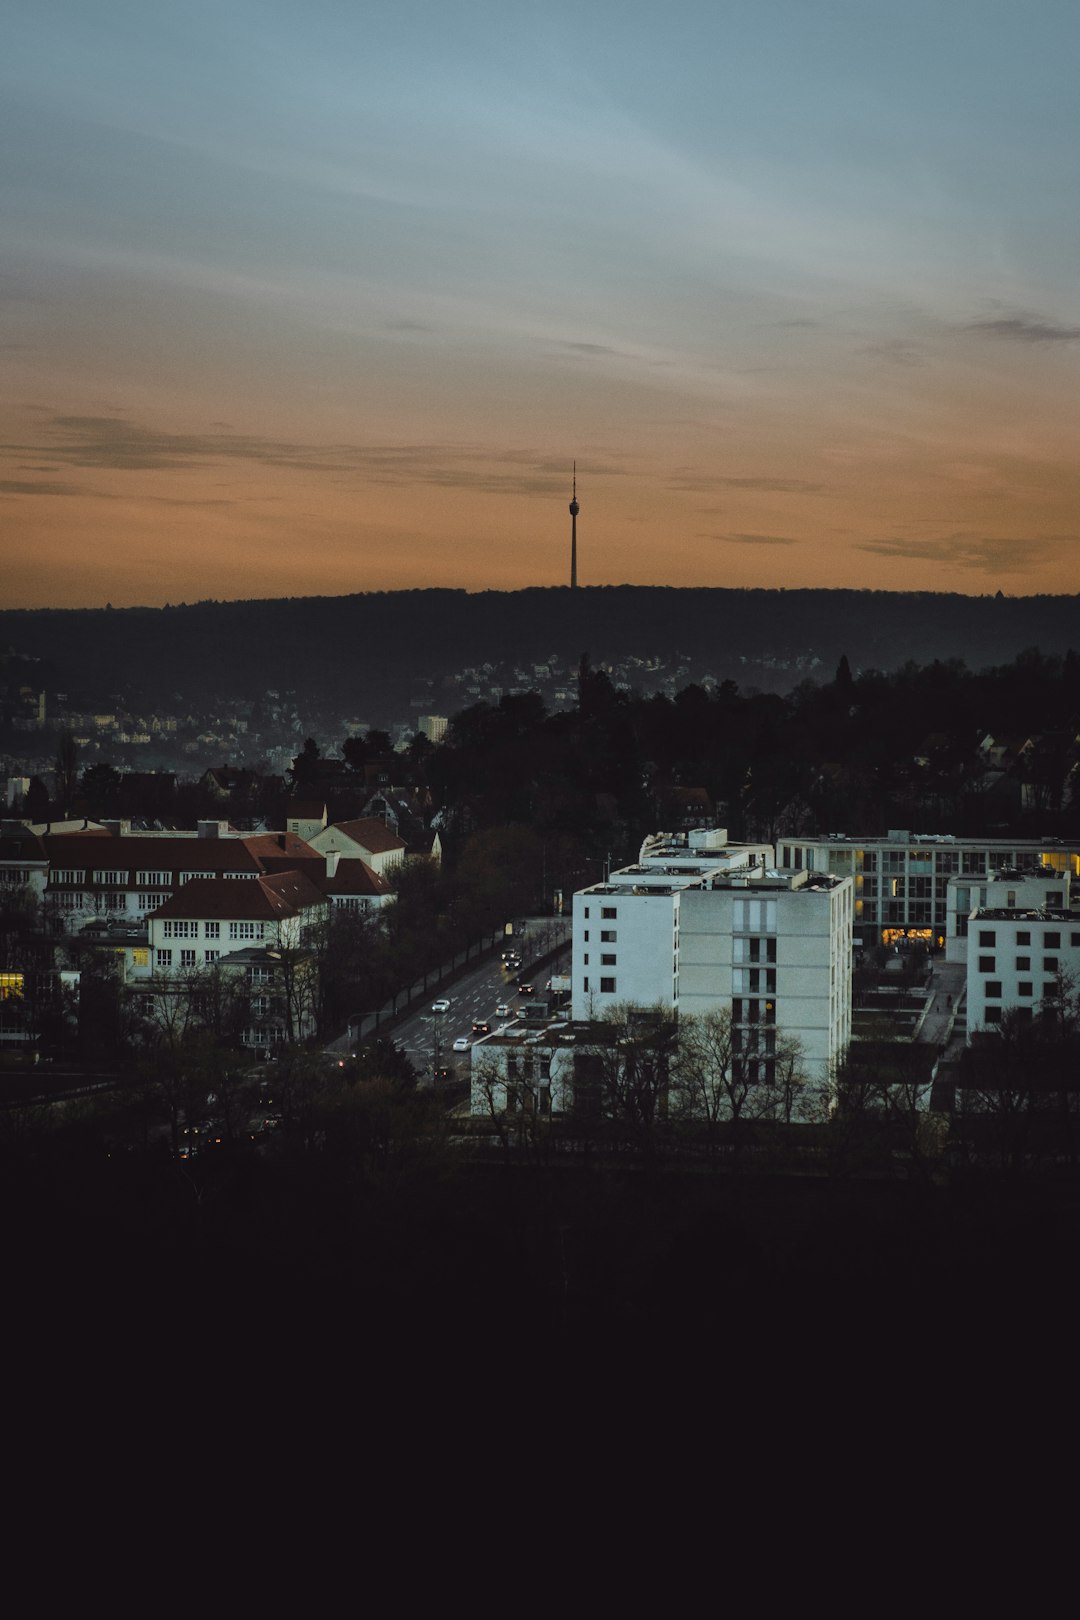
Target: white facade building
[902,879]
[1038,889]
[699,925]
[1016,960]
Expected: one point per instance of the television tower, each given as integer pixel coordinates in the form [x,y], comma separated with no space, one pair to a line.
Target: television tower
[574,510]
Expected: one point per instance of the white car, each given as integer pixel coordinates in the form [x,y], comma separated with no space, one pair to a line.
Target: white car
[440,1006]
[461,1044]
[503,1010]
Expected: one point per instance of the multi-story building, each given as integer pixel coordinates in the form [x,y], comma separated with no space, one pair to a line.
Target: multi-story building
[1018,961]
[1037,889]
[111,873]
[209,918]
[253,934]
[699,925]
[901,880]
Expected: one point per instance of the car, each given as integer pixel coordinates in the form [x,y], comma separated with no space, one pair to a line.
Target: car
[503,1010]
[527,989]
[440,1006]
[481,1028]
[461,1044]
[440,1073]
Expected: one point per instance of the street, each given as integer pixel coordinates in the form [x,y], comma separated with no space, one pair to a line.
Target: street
[427,1038]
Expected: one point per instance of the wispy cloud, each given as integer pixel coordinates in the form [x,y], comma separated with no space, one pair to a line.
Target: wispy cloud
[986,554]
[26,486]
[753,539]
[1020,328]
[116,444]
[705,483]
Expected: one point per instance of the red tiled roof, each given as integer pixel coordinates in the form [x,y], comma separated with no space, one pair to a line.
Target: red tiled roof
[371,834]
[276,845]
[354,877]
[264,899]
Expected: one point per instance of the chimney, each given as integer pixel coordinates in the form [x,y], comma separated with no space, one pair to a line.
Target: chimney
[332,858]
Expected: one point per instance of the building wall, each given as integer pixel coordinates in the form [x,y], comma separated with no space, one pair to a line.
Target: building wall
[901,880]
[1026,891]
[639,964]
[776,951]
[1013,961]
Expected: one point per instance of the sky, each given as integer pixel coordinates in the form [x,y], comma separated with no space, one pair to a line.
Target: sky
[311,299]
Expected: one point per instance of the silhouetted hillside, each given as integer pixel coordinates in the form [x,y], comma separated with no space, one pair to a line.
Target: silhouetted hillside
[376,645]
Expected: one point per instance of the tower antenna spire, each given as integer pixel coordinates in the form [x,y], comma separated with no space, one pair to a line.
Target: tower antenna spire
[574,510]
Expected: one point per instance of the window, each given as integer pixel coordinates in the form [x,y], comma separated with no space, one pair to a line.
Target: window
[187,959]
[150,902]
[1055,898]
[1023,936]
[607,959]
[585,984]
[1023,964]
[1024,988]
[186,877]
[110,877]
[181,929]
[586,936]
[987,936]
[68,875]
[986,964]
[992,988]
[607,936]
[586,911]
[114,900]
[1052,940]
[608,913]
[213,930]
[154,880]
[241,930]
[1074,939]
[212,956]
[164,959]
[607,987]
[992,1015]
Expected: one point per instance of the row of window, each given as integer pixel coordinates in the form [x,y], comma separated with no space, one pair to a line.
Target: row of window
[163,957]
[1026,988]
[1050,938]
[183,928]
[988,964]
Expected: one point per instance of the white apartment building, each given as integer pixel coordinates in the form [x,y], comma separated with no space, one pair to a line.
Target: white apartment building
[1038,889]
[902,880]
[698,924]
[1015,958]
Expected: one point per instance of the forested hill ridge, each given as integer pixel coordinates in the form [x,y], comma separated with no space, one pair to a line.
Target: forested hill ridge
[379,643]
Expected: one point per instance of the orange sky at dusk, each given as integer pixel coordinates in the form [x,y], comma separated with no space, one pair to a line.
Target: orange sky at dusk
[356,344]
